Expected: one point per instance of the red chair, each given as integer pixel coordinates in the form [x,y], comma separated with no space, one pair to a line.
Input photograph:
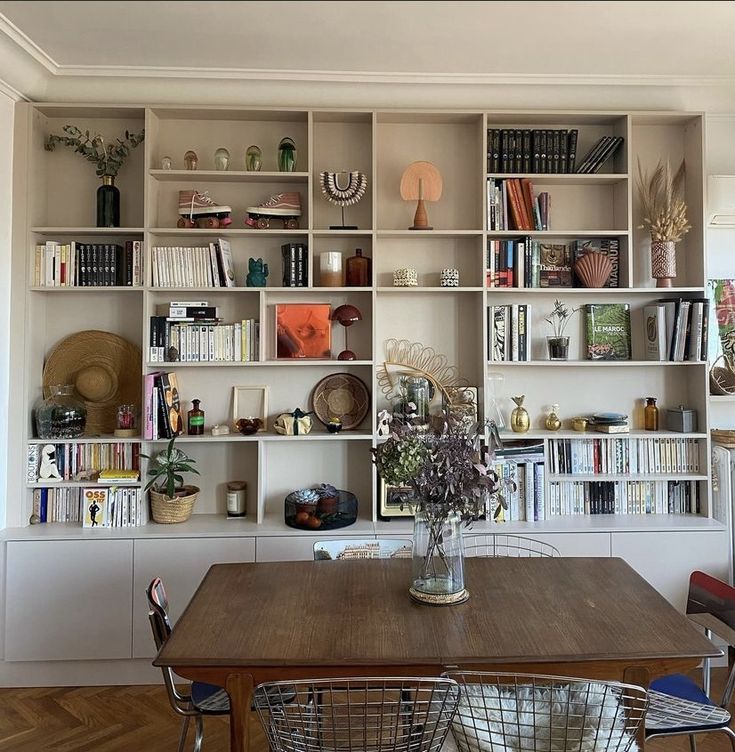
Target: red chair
[677,704]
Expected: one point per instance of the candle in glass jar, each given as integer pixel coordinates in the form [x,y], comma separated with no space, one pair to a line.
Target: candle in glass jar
[330,269]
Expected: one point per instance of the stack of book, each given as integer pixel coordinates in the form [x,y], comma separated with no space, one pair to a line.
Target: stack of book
[295,265]
[74,458]
[509,332]
[193,266]
[512,204]
[111,506]
[676,329]
[538,150]
[525,496]
[76,264]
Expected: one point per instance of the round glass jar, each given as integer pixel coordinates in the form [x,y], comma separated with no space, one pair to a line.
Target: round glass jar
[61,415]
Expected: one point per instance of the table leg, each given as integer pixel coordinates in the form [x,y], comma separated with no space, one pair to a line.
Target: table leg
[240,689]
[641,677]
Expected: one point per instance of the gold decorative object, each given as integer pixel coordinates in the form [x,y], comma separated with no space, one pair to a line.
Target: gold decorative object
[520,421]
[580,424]
[552,419]
[594,269]
[402,354]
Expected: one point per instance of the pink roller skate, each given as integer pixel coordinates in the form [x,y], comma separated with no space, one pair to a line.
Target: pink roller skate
[198,210]
[284,206]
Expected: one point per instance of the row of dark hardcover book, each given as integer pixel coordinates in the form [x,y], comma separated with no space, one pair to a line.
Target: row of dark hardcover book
[76,264]
[295,265]
[524,262]
[677,330]
[545,151]
[539,150]
[623,497]
[509,332]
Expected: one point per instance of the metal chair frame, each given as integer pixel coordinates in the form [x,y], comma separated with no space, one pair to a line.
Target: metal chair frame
[404,714]
[507,711]
[181,703]
[362,548]
[711,604]
[502,545]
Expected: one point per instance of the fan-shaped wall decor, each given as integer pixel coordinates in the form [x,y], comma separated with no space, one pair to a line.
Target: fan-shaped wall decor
[421,182]
[343,189]
[413,356]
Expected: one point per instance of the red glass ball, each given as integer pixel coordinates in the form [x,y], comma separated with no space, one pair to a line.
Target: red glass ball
[346,315]
[347,355]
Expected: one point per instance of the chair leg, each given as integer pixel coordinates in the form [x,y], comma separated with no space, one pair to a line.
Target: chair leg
[730,735]
[200,734]
[184,731]
[692,743]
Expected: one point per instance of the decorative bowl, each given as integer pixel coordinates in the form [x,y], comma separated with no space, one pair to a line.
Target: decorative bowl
[248,426]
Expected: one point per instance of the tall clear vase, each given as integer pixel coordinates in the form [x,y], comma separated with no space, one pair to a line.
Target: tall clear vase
[438,560]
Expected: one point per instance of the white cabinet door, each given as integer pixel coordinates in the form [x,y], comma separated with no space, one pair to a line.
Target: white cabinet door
[181,564]
[68,600]
[285,548]
[578,544]
[666,560]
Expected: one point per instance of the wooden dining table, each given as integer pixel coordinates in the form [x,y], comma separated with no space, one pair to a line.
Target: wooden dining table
[583,617]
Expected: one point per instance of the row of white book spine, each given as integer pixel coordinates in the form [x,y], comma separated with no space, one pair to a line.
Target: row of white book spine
[210,343]
[193,266]
[624,456]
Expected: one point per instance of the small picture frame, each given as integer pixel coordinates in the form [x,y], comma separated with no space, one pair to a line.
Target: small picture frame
[390,502]
[250,402]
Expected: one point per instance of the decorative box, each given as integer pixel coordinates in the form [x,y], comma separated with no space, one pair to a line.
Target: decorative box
[681,419]
[405,278]
[450,278]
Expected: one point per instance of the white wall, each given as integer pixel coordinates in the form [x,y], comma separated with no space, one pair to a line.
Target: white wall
[6,183]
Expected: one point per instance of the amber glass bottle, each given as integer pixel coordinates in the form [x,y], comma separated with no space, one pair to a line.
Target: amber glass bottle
[357,270]
[195,422]
[650,415]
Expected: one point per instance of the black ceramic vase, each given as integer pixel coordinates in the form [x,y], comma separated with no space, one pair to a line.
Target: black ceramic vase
[108,203]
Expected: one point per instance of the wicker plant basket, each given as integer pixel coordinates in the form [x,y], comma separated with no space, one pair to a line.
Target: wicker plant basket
[178,509]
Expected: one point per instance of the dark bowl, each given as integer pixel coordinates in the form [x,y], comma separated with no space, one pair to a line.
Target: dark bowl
[249,426]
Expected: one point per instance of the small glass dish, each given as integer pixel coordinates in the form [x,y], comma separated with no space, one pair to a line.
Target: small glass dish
[248,426]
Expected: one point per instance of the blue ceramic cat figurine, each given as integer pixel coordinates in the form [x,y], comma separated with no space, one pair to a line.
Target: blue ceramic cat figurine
[257,273]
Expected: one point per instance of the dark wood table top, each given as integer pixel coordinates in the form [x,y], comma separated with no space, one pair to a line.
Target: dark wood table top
[343,613]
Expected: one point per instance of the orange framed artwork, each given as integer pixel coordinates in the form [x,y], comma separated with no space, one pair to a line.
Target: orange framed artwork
[303,330]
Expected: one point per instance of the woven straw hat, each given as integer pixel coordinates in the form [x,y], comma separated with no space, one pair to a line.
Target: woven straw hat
[104,369]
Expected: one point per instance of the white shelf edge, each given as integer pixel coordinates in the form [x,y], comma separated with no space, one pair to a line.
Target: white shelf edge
[593,363]
[583,477]
[260,363]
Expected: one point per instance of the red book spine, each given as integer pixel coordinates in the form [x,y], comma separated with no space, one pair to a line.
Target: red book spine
[516,205]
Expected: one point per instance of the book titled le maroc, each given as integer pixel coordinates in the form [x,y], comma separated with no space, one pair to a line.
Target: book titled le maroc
[607,329]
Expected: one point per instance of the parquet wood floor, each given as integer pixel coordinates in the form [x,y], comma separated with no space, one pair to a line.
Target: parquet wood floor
[139,719]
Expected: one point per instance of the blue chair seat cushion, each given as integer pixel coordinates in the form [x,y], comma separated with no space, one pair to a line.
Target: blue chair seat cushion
[209,699]
[678,704]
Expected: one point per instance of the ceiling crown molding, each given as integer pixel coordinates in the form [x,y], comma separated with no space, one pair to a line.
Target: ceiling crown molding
[28,46]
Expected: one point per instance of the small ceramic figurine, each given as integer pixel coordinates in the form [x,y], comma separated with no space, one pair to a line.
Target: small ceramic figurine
[48,471]
[334,425]
[384,421]
[191,160]
[520,421]
[166,163]
[257,273]
[222,159]
[552,419]
[253,158]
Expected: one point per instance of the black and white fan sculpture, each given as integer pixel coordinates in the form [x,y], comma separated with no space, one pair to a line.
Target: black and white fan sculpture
[343,189]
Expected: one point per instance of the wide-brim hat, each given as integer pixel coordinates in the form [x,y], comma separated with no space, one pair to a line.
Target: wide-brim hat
[105,370]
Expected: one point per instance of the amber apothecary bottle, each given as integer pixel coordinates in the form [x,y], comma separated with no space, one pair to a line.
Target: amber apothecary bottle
[357,270]
[650,415]
[195,422]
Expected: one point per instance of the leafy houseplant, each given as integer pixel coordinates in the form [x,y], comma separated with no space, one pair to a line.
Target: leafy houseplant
[559,318]
[665,216]
[171,500]
[108,160]
[448,479]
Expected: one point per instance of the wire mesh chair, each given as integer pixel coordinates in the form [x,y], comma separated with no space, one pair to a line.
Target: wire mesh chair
[497,544]
[358,715]
[202,699]
[363,548]
[678,705]
[526,712]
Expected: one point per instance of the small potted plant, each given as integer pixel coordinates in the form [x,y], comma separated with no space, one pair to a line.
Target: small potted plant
[171,500]
[558,343]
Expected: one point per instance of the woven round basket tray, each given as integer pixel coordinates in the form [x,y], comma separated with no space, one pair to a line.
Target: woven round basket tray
[166,510]
[723,437]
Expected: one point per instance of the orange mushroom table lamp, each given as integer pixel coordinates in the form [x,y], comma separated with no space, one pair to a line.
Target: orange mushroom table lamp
[421,182]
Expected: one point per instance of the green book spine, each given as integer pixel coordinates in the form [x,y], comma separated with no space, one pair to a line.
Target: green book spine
[607,329]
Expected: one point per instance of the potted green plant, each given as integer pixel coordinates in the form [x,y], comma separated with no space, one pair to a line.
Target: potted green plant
[558,343]
[171,500]
[108,159]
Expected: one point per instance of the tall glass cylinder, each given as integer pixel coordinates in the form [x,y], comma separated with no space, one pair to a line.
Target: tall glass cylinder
[438,559]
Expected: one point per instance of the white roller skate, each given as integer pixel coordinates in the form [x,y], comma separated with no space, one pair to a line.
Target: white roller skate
[198,210]
[284,206]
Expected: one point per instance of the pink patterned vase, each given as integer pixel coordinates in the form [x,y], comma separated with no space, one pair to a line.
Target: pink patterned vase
[663,262]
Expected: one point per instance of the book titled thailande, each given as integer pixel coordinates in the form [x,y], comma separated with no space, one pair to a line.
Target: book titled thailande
[607,330]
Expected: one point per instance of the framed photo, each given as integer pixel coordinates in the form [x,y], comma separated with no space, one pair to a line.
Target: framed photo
[303,330]
[250,402]
[390,500]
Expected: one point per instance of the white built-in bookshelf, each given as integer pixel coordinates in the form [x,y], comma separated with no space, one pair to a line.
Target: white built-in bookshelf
[58,203]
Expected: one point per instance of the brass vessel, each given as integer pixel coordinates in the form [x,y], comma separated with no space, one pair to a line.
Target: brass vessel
[520,420]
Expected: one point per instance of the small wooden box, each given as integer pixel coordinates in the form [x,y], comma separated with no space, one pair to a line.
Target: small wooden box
[681,419]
